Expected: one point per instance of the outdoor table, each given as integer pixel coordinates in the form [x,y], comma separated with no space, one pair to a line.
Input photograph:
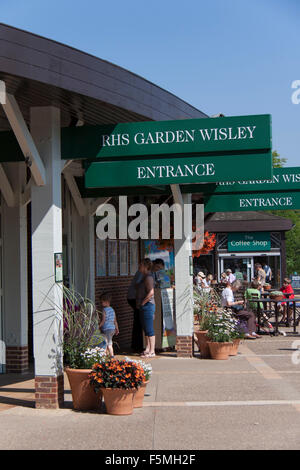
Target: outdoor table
[277,303]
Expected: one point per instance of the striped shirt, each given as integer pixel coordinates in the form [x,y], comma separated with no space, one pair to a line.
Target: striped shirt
[109,323]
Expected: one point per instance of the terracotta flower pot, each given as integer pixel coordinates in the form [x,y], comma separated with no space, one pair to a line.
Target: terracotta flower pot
[83,394]
[202,341]
[234,347]
[118,401]
[219,351]
[138,396]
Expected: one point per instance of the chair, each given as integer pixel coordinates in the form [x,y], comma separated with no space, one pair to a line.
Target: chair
[265,314]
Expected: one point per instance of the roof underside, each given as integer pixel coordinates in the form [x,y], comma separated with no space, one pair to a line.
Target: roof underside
[42,72]
[247,222]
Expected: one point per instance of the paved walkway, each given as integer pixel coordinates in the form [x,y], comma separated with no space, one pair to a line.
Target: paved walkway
[251,401]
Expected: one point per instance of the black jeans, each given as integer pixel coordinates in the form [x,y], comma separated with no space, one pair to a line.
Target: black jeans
[137,330]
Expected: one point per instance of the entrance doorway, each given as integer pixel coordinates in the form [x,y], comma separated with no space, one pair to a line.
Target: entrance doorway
[241,267]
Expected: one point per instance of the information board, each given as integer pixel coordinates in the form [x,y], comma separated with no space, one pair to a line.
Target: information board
[168,331]
[295,282]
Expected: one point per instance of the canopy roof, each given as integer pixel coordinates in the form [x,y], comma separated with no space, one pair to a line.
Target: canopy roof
[42,72]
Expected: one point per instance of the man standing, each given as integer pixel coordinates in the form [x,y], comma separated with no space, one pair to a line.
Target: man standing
[268,272]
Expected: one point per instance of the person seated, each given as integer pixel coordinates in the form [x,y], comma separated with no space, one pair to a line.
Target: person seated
[238,274]
[253,292]
[287,311]
[202,282]
[230,276]
[238,308]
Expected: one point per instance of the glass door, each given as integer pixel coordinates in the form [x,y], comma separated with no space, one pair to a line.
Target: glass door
[241,267]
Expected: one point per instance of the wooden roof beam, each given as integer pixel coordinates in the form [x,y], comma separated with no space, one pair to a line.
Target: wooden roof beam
[25,140]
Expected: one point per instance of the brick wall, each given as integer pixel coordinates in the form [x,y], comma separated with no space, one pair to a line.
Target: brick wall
[49,391]
[16,359]
[184,346]
[118,286]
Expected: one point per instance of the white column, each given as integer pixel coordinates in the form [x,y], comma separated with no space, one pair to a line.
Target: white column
[183,277]
[15,289]
[47,240]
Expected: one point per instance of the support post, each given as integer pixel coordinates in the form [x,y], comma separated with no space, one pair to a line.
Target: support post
[47,240]
[184,279]
[15,279]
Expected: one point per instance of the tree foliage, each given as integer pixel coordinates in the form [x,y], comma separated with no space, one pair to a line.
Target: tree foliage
[293,236]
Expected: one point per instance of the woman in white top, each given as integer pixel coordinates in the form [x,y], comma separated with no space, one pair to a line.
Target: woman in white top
[202,282]
[237,306]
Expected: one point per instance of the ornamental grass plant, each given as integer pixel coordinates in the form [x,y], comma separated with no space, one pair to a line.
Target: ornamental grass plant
[80,329]
[205,304]
[114,373]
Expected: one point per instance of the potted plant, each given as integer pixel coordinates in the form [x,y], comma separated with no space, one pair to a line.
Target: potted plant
[138,397]
[80,335]
[276,295]
[220,330]
[237,334]
[118,380]
[205,303]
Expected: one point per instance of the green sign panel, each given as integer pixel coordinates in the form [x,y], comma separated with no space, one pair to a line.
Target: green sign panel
[250,241]
[193,169]
[236,134]
[253,201]
[283,179]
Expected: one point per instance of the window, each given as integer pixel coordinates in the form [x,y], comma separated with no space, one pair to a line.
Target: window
[123,258]
[100,257]
[134,257]
[112,258]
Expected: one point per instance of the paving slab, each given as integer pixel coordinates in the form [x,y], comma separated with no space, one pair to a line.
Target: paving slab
[251,401]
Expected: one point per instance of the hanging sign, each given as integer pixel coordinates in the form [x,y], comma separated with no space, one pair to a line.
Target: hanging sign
[283,179]
[188,136]
[252,202]
[193,169]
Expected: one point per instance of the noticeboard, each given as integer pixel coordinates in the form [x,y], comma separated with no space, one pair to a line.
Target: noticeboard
[295,282]
[168,330]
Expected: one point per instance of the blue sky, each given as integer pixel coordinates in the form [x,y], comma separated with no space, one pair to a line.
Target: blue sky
[237,57]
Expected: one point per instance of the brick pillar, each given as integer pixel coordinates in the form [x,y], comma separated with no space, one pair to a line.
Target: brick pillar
[184,346]
[49,391]
[16,359]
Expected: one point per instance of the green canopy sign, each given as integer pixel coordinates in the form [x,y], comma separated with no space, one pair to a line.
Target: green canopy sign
[250,241]
[253,201]
[283,179]
[159,171]
[236,134]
